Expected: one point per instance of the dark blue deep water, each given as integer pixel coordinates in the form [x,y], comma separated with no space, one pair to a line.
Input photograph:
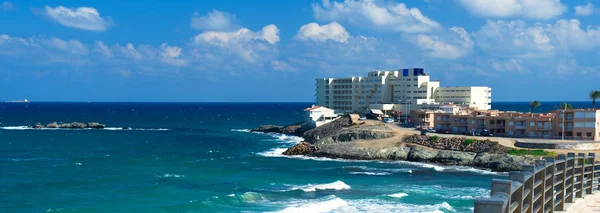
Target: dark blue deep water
[199,157]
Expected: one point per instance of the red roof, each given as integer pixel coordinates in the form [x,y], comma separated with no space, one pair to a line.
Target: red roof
[312,108]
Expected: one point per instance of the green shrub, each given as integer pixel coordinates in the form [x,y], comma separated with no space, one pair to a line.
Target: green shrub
[433,138]
[534,152]
[469,141]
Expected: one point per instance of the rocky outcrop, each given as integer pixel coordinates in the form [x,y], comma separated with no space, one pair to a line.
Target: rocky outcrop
[358,133]
[456,144]
[495,162]
[267,129]
[73,125]
[301,148]
[327,130]
[296,129]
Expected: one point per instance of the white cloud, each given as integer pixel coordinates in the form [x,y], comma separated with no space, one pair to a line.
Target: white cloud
[85,18]
[103,49]
[70,46]
[129,51]
[215,20]
[516,39]
[533,9]
[584,10]
[6,6]
[456,43]
[281,66]
[393,16]
[332,31]
[244,43]
[570,35]
[172,55]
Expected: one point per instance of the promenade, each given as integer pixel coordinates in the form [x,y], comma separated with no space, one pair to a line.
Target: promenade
[567,184]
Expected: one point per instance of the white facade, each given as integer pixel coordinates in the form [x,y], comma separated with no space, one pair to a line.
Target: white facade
[318,115]
[355,94]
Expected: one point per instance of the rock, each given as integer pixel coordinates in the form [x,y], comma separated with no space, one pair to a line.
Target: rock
[126,128]
[301,148]
[327,130]
[456,144]
[52,125]
[38,126]
[293,129]
[501,162]
[65,126]
[267,129]
[77,125]
[361,133]
[455,157]
[422,154]
[95,125]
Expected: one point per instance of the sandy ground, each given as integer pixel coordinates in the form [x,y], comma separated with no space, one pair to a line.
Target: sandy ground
[400,132]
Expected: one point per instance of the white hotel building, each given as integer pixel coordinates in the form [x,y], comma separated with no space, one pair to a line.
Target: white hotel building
[355,94]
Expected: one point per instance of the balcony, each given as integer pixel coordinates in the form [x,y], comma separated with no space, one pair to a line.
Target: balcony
[520,126]
[544,127]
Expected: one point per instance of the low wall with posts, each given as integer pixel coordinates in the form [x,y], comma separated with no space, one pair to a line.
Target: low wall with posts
[549,185]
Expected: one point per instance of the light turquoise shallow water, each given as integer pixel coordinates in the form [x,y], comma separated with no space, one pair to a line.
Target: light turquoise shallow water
[199,158]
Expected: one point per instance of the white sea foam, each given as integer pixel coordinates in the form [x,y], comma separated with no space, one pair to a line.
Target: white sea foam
[240,130]
[275,152]
[328,204]
[442,192]
[371,173]
[337,185]
[425,165]
[372,205]
[168,175]
[398,195]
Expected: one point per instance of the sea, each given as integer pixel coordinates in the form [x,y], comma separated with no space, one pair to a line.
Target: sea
[201,157]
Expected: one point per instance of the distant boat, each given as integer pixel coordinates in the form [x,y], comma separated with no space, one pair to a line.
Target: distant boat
[19,101]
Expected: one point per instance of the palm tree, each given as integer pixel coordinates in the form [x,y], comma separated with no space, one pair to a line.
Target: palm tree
[533,105]
[594,94]
[565,105]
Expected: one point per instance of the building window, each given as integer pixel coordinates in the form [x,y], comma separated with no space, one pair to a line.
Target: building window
[579,134]
[532,123]
[588,134]
[472,121]
[510,132]
[510,124]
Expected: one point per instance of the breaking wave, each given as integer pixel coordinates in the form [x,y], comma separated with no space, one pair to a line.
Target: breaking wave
[337,185]
[398,195]
[327,204]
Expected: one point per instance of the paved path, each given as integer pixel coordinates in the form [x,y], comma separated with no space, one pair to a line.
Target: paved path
[587,204]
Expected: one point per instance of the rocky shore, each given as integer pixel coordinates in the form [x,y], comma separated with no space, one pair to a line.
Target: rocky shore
[375,141]
[73,125]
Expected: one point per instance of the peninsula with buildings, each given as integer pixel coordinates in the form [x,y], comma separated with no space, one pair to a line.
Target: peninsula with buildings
[403,115]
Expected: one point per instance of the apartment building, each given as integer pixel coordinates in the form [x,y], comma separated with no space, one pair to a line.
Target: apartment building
[580,124]
[406,86]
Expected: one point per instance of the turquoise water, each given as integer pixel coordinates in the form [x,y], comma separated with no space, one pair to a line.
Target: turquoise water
[183,157]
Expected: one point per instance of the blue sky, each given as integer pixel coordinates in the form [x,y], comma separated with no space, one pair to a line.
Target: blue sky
[267,50]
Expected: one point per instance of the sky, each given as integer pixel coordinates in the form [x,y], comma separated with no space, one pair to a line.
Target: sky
[273,50]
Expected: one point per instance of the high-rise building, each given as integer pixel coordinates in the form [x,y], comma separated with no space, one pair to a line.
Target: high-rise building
[355,94]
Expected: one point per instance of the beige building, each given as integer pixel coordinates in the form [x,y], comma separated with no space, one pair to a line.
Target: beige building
[414,86]
[579,124]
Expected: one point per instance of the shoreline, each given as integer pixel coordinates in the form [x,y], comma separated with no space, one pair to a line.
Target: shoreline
[371,140]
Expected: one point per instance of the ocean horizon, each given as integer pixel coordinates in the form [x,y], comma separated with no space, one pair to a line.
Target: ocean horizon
[201,157]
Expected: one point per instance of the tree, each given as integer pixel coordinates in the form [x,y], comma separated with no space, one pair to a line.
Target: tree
[565,105]
[533,105]
[594,94]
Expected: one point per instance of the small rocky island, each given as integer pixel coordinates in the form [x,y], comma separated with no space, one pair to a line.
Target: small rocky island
[72,125]
[373,140]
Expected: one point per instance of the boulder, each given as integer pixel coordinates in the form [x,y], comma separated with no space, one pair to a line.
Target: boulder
[38,126]
[501,162]
[420,154]
[65,126]
[77,125]
[455,157]
[95,125]
[267,129]
[52,125]
[301,148]
[293,129]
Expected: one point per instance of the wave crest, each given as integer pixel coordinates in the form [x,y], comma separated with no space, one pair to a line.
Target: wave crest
[329,204]
[337,185]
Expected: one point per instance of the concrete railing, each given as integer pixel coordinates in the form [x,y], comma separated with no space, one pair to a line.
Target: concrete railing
[547,186]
